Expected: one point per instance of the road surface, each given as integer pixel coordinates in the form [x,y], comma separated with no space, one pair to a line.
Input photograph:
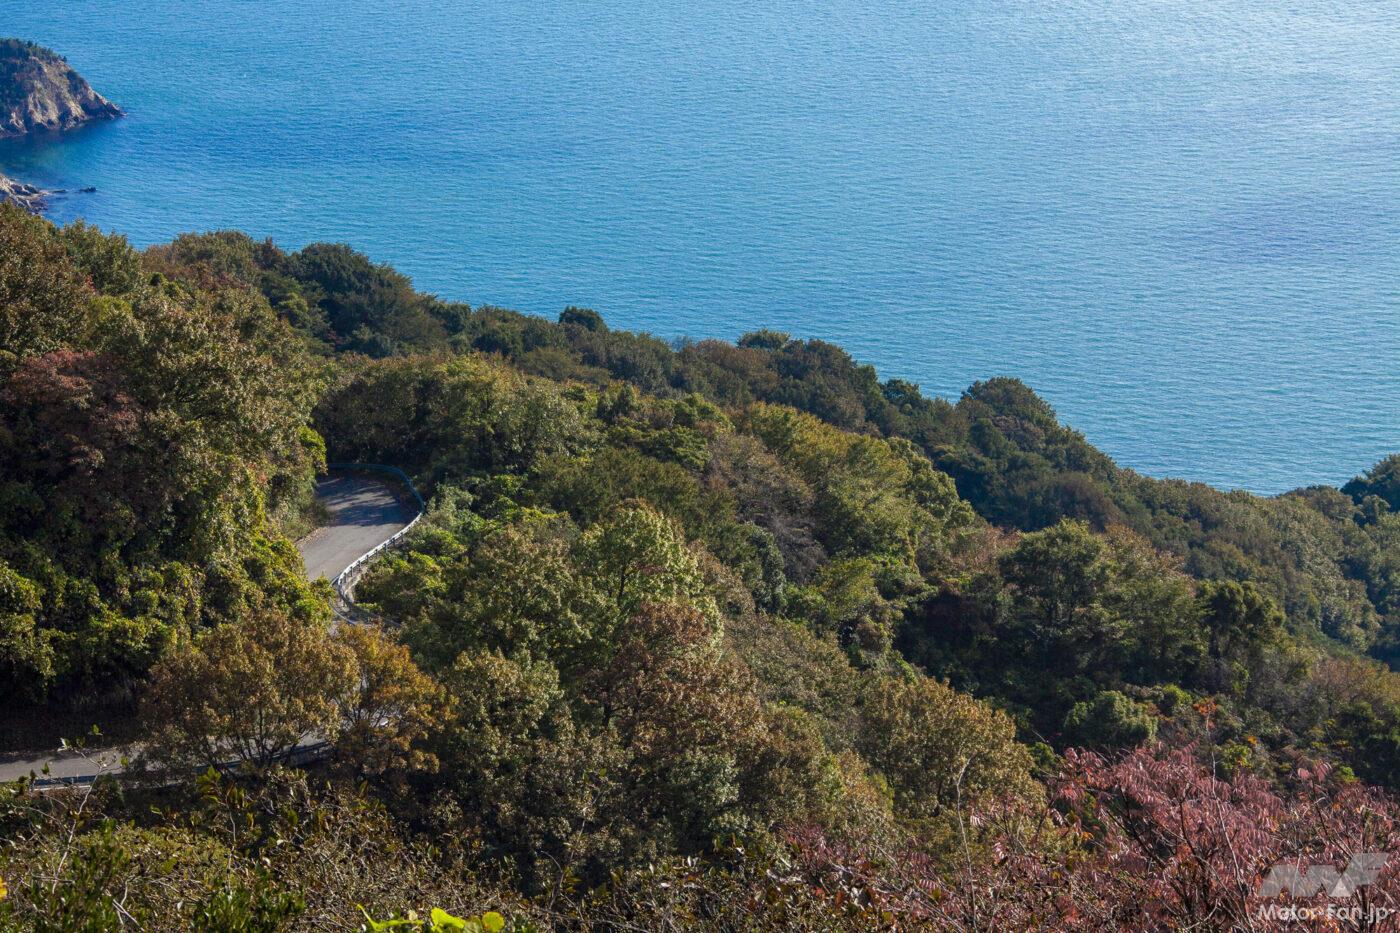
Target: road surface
[363,512]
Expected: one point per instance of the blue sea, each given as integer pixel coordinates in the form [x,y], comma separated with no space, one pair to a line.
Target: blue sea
[1178,221]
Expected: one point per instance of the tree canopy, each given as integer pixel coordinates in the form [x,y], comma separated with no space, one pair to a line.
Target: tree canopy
[700,635]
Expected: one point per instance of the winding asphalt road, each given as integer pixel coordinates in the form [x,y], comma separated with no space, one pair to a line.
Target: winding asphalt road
[363,512]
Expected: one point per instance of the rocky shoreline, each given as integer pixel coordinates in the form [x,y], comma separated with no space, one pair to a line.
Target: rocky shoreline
[32,199]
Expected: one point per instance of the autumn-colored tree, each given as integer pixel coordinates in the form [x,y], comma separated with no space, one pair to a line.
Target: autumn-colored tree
[71,423]
[769,495]
[390,707]
[1180,848]
[247,691]
[686,716]
[147,438]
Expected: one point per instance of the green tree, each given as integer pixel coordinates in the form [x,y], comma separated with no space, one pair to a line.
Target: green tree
[26,651]
[371,308]
[872,496]
[1058,578]
[637,556]
[112,267]
[518,591]
[45,302]
[1381,481]
[521,776]
[1110,721]
[1241,622]
[940,749]
[586,318]
[1154,598]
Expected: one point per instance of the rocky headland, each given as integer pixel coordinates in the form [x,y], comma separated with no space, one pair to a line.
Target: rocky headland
[40,92]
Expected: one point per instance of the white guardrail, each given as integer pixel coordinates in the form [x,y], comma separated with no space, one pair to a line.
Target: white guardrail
[344,583]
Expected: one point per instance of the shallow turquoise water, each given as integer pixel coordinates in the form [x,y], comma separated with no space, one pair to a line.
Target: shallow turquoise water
[1177,221]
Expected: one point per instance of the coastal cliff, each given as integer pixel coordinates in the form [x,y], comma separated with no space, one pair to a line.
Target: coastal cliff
[40,91]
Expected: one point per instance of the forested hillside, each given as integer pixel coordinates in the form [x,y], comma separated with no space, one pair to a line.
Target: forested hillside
[698,636]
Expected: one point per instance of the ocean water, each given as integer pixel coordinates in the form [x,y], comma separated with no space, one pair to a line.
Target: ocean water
[1178,221]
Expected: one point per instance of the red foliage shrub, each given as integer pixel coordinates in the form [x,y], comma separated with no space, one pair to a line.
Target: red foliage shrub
[1152,840]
